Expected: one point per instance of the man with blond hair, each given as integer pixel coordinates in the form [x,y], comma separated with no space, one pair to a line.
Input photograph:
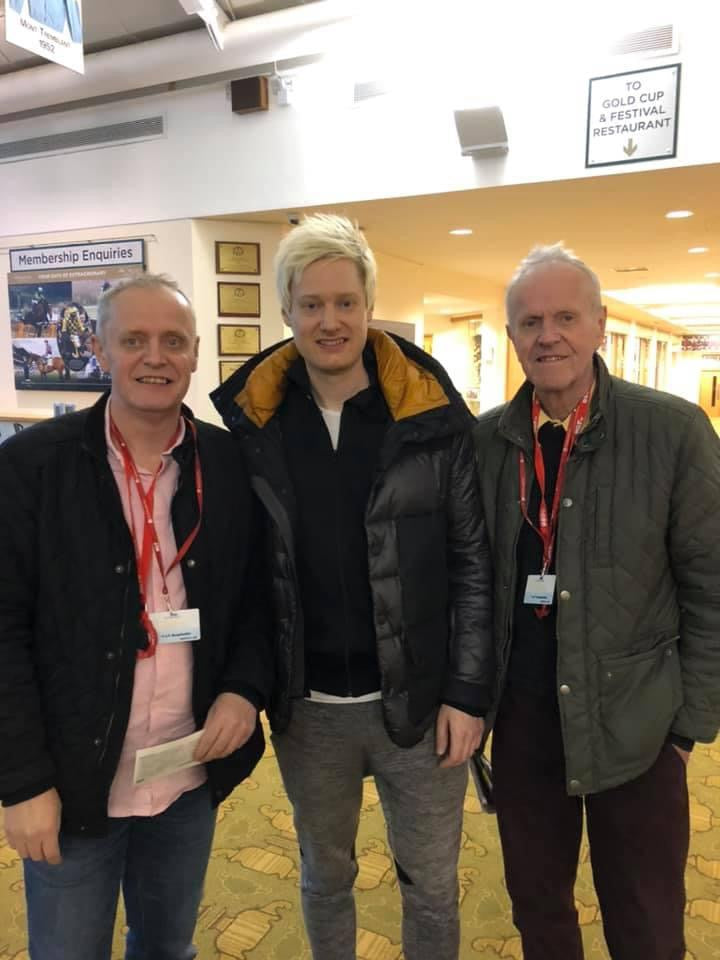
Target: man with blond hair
[601,503]
[358,445]
[129,619]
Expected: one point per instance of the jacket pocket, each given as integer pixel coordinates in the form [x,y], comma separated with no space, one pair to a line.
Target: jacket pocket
[639,697]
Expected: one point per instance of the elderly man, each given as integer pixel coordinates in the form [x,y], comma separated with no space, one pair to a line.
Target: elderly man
[359,446]
[601,499]
[131,628]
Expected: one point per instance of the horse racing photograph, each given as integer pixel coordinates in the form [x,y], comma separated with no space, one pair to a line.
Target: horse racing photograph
[53,318]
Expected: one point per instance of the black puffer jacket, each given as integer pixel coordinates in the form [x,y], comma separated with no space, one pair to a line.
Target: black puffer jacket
[70,609]
[427,555]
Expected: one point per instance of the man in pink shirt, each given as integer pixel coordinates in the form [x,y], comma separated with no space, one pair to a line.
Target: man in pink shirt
[131,604]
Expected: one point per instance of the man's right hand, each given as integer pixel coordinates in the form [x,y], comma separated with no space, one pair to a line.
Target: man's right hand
[32,827]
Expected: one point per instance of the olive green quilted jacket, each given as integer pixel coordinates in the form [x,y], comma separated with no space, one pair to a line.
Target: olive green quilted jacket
[638,573]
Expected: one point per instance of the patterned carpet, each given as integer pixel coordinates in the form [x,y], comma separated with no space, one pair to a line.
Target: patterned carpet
[251,911]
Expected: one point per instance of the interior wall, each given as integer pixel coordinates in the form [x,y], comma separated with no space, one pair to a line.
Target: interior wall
[168,249]
[325,148]
[205,233]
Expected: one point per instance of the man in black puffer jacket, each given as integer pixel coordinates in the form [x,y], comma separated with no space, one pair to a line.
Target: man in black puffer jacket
[104,651]
[358,445]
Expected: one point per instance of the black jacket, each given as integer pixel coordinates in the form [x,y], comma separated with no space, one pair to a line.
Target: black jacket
[70,608]
[427,556]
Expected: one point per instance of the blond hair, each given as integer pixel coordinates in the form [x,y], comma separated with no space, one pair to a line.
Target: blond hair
[323,236]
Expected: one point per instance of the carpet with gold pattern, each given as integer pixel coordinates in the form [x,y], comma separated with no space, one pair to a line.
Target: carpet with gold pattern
[251,912]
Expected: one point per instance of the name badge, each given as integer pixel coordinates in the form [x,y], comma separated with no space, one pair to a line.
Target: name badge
[540,590]
[177,626]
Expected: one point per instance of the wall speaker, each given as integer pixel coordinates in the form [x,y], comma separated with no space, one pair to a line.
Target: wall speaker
[481,132]
[249,94]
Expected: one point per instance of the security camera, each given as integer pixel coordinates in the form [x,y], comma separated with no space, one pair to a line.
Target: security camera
[293,219]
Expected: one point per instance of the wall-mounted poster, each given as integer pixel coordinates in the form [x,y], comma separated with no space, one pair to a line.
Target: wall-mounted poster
[53,293]
[238,299]
[237,257]
[238,338]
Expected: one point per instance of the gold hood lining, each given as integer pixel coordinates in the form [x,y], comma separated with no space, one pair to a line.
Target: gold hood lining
[408,388]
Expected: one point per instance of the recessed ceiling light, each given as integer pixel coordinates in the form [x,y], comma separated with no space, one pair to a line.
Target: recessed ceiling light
[461,232]
[698,249]
[678,214]
[712,276]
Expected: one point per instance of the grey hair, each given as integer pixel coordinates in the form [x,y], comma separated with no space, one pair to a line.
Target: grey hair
[323,236]
[143,281]
[540,256]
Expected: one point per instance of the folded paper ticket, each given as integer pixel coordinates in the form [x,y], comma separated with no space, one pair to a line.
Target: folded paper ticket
[151,763]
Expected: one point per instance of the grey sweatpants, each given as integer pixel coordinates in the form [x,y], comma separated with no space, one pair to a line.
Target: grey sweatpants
[324,755]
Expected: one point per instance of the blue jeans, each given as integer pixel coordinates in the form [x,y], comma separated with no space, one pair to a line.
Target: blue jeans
[160,863]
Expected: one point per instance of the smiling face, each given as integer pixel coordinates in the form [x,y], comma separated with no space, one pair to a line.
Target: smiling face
[556,324]
[149,347]
[329,317]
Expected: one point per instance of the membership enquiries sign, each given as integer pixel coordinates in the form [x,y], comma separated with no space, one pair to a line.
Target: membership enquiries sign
[49,28]
[53,295]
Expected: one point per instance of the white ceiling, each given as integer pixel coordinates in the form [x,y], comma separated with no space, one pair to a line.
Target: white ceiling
[611,222]
[114,23]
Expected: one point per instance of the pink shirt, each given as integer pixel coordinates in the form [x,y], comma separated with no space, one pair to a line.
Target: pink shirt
[161,708]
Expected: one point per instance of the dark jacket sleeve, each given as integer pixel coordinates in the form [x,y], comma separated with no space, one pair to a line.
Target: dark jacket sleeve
[694,547]
[250,667]
[26,768]
[471,674]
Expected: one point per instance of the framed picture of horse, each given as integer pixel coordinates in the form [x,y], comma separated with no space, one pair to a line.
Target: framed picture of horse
[53,316]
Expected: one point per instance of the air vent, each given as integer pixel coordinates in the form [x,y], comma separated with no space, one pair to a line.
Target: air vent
[149,128]
[653,42]
[630,269]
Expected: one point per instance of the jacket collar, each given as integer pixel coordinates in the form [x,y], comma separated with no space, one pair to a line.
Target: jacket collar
[94,432]
[515,423]
[412,383]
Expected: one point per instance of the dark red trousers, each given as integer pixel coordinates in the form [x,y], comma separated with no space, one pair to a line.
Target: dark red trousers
[638,833]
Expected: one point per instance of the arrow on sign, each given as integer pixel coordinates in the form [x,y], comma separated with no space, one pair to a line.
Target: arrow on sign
[629,148]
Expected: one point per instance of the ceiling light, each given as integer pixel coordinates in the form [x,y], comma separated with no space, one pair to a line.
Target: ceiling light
[678,214]
[461,232]
[698,249]
[712,276]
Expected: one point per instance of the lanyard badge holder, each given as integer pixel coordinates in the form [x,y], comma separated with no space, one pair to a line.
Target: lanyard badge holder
[168,626]
[540,588]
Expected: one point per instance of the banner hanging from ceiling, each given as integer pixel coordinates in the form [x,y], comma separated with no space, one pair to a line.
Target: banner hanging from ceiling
[49,28]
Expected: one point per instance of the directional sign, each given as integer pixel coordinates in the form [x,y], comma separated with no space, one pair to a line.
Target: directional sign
[633,116]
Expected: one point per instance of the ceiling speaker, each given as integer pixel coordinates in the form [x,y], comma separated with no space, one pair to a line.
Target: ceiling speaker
[481,132]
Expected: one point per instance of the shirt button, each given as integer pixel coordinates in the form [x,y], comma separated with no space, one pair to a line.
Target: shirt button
[119,568]
[564,594]
[110,655]
[574,784]
[190,562]
[564,689]
[97,741]
[567,502]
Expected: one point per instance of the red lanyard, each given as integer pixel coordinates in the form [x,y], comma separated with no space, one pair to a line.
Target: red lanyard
[547,526]
[150,542]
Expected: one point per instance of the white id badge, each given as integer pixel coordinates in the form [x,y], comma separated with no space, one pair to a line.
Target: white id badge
[177,626]
[540,590]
